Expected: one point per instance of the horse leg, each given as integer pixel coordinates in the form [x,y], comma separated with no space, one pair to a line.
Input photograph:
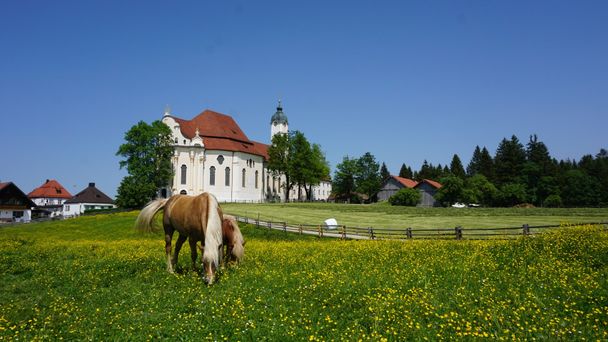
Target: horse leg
[178,246]
[193,255]
[168,236]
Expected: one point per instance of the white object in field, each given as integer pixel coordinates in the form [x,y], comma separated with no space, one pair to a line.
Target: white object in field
[331,224]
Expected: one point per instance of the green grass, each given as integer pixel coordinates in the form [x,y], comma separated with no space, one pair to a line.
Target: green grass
[383,215]
[94,278]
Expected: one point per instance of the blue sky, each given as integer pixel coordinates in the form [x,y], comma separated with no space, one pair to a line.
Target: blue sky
[404,80]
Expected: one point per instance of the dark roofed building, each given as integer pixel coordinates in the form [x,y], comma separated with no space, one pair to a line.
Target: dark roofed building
[15,206]
[90,198]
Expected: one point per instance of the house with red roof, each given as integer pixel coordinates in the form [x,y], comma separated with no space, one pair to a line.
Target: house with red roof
[393,184]
[14,204]
[49,198]
[213,154]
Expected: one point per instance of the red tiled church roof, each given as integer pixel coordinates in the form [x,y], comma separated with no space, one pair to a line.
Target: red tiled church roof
[406,182]
[50,189]
[220,132]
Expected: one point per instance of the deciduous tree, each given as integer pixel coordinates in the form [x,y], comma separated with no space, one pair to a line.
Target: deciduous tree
[147,151]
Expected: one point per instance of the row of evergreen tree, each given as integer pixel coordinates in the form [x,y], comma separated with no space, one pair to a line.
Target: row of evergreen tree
[518,174]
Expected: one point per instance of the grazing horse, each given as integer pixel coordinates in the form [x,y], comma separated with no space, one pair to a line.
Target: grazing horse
[196,218]
[232,240]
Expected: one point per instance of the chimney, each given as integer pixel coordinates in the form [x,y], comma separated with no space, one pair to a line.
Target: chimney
[91,185]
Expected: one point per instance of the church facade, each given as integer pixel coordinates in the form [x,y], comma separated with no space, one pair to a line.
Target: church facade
[212,154]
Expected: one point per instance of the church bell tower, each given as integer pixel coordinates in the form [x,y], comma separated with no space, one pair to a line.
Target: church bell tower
[278,122]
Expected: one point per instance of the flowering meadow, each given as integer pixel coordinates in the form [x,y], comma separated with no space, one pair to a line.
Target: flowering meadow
[95,278]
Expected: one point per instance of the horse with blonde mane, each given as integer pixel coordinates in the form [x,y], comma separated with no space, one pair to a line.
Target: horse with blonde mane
[195,218]
[232,239]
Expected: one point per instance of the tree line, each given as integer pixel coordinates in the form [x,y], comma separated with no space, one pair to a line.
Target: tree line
[516,174]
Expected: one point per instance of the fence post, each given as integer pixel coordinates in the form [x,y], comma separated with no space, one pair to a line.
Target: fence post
[269,224]
[320,231]
[370,230]
[408,232]
[343,233]
[458,231]
[285,227]
[300,229]
[526,229]
[257,222]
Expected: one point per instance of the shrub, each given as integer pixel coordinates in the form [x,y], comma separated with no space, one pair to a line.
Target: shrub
[407,197]
[553,201]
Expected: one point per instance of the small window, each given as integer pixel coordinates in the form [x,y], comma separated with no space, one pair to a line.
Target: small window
[183,192]
[212,175]
[256,179]
[244,177]
[220,159]
[227,176]
[184,173]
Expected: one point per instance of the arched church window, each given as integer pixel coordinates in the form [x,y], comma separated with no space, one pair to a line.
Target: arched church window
[184,173]
[256,179]
[243,178]
[183,192]
[212,175]
[220,159]
[227,176]
[176,141]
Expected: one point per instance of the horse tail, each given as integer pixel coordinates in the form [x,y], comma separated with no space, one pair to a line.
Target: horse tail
[213,233]
[145,219]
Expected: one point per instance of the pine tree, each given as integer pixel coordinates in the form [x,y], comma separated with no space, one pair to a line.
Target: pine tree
[475,164]
[456,167]
[384,174]
[509,161]
[406,172]
[403,170]
[486,165]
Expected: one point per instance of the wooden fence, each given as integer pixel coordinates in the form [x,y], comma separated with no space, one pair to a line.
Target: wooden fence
[371,233]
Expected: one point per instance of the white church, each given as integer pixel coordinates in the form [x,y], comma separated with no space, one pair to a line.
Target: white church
[212,154]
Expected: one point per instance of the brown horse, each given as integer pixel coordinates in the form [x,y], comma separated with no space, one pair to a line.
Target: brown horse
[196,218]
[232,239]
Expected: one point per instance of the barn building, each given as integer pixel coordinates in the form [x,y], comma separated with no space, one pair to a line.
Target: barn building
[428,188]
[393,184]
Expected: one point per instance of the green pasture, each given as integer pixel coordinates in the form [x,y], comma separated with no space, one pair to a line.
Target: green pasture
[383,215]
[95,278]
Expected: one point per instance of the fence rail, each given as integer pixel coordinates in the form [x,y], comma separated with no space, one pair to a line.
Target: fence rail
[371,233]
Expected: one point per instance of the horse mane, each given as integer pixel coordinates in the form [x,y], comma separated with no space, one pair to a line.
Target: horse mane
[213,233]
[145,219]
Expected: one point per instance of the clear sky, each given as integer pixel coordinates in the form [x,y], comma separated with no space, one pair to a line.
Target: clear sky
[404,80]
